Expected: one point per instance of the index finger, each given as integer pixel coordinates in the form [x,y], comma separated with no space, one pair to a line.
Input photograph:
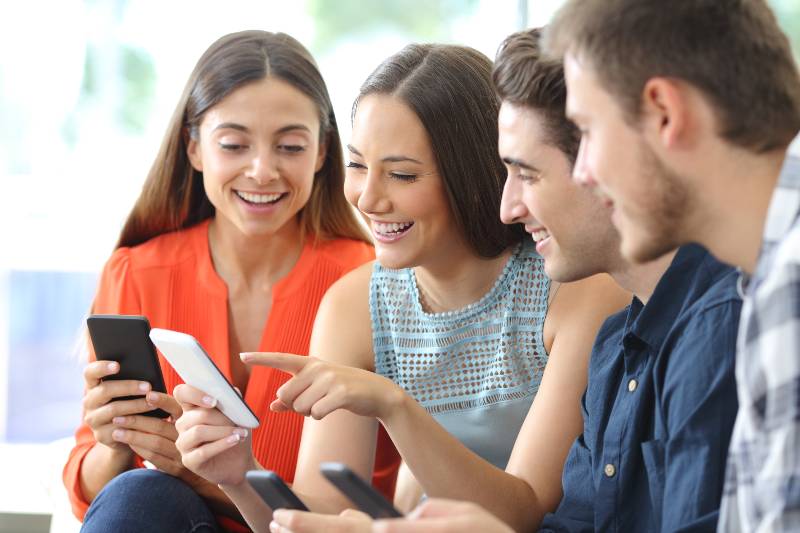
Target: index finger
[96,370]
[286,362]
[189,397]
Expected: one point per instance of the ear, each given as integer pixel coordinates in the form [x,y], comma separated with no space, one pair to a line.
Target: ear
[665,112]
[194,154]
[321,153]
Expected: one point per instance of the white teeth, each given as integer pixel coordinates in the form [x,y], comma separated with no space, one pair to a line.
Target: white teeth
[258,198]
[540,235]
[391,227]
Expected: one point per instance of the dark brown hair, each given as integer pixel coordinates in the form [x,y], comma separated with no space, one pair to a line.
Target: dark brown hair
[450,90]
[523,77]
[173,196]
[733,51]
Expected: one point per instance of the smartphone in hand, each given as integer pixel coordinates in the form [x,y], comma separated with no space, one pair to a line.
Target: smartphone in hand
[273,490]
[197,369]
[125,339]
[361,493]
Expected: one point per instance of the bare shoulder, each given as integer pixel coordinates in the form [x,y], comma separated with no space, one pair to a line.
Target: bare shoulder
[343,326]
[587,302]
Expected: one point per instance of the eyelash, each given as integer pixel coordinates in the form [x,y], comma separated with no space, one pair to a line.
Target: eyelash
[287,148]
[408,178]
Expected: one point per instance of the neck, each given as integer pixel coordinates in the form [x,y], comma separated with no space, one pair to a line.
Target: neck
[459,280]
[252,261]
[736,212]
[641,279]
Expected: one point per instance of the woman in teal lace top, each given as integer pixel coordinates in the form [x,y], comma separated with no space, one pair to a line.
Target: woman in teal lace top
[450,335]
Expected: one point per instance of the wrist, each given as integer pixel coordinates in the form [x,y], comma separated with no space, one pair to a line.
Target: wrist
[395,403]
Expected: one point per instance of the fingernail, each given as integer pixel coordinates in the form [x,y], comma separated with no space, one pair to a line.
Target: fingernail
[234,438]
[152,397]
[276,514]
[241,432]
[209,401]
[112,367]
[245,356]
[273,526]
[118,434]
[144,387]
[118,420]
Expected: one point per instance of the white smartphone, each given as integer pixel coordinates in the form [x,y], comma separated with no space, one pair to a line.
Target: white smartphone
[196,368]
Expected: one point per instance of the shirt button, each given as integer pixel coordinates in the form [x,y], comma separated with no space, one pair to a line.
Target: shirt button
[632,384]
[610,470]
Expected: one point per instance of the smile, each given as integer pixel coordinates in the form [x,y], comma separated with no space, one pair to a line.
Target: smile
[259,199]
[390,231]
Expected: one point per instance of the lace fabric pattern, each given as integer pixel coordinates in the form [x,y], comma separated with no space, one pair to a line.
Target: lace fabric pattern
[487,353]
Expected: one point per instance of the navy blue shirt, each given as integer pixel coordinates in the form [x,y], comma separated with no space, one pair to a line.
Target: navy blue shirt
[659,408]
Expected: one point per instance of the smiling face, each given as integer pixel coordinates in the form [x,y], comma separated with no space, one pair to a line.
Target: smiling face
[258,150]
[393,179]
[571,227]
[651,203]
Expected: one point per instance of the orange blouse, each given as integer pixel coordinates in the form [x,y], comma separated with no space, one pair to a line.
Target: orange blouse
[171,280]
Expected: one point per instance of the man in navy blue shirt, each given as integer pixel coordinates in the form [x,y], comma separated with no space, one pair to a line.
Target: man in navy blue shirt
[661,400]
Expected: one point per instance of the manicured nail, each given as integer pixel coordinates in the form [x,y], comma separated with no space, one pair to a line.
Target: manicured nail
[144,387]
[241,432]
[119,420]
[234,438]
[118,434]
[209,401]
[112,367]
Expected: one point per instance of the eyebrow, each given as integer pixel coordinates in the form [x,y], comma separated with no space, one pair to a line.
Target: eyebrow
[388,158]
[510,161]
[239,127]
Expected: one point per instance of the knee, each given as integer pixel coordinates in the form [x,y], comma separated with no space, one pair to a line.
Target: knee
[136,494]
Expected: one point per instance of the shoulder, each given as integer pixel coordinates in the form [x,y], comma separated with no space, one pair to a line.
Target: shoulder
[344,254]
[164,250]
[597,295]
[351,288]
[343,327]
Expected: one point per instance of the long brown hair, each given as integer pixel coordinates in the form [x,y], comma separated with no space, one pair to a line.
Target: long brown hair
[173,196]
[450,90]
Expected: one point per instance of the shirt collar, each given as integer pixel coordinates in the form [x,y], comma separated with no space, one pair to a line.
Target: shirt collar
[652,322]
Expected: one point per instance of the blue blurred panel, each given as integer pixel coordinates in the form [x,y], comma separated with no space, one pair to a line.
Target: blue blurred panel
[46,313]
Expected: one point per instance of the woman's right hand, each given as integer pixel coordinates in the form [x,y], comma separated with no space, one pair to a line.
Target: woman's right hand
[210,444]
[99,409]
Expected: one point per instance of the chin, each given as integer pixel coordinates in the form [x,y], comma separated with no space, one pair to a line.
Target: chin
[646,249]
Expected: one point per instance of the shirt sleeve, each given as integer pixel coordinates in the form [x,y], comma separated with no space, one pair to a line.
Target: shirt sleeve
[116,294]
[698,409]
[764,463]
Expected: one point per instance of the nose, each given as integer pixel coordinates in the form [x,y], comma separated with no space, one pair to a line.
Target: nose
[262,167]
[512,208]
[371,193]
[581,173]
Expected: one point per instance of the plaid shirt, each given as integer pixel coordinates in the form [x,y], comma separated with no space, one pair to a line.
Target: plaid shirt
[762,486]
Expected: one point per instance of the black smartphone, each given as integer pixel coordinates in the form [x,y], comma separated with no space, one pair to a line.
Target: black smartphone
[273,490]
[125,339]
[359,491]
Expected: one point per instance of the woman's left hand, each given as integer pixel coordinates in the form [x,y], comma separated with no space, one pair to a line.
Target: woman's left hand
[318,387]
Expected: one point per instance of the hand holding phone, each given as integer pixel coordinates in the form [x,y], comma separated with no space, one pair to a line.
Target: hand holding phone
[273,490]
[196,368]
[359,491]
[124,339]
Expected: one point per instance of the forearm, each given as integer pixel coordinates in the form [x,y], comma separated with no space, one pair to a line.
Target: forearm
[101,465]
[447,469]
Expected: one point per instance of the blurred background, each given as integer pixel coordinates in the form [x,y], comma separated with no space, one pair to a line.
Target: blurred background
[86,90]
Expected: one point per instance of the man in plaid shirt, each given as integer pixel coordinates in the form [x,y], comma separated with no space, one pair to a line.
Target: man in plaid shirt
[687,110]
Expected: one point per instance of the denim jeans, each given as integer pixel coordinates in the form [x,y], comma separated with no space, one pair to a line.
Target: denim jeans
[148,500]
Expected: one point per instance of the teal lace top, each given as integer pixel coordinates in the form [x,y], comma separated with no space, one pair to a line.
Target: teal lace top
[476,369]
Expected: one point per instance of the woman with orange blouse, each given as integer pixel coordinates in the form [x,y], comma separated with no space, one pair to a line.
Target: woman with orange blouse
[239,230]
